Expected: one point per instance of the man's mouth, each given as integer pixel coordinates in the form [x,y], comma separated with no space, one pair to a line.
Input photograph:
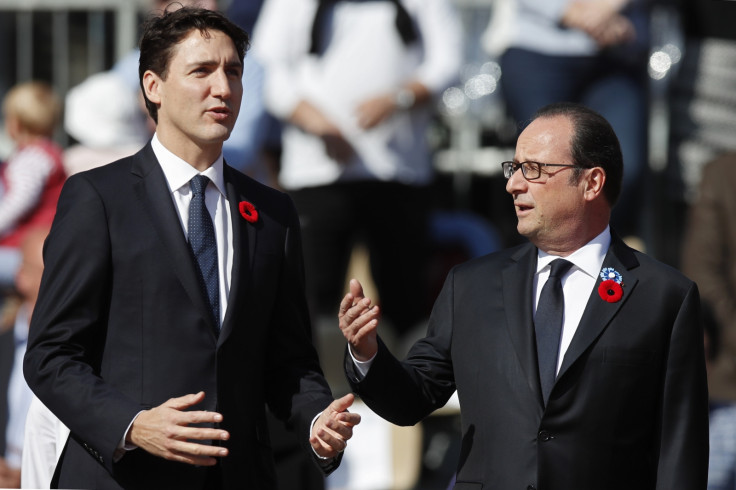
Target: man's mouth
[220,113]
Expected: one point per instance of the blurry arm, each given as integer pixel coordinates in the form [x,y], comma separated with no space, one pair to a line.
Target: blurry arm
[280,42]
[600,19]
[26,175]
[440,32]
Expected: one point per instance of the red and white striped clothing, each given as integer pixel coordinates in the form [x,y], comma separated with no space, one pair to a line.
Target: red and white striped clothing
[32,179]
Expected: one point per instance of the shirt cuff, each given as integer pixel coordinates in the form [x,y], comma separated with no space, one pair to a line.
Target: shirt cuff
[362,367]
[124,447]
[311,427]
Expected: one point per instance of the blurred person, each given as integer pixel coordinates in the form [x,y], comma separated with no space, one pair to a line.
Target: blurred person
[593,52]
[16,395]
[43,444]
[104,118]
[702,112]
[578,361]
[172,307]
[709,259]
[353,84]
[33,175]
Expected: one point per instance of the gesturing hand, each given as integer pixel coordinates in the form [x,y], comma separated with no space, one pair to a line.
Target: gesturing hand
[358,322]
[164,431]
[333,428]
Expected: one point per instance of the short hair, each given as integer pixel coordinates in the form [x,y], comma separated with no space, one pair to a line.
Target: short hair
[36,106]
[162,33]
[593,144]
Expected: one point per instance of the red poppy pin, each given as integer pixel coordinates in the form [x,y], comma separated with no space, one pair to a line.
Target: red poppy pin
[611,288]
[248,211]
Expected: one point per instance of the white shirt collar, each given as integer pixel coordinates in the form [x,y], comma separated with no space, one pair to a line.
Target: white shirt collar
[178,172]
[588,258]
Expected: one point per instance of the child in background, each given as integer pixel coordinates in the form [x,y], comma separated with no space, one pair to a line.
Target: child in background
[33,175]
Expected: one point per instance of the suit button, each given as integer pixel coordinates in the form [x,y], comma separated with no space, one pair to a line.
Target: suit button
[544,436]
[531,487]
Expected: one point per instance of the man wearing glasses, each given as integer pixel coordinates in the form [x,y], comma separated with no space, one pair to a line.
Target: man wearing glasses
[578,361]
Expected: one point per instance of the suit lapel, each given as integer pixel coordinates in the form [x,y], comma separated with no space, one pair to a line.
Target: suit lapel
[599,313]
[244,243]
[518,285]
[153,192]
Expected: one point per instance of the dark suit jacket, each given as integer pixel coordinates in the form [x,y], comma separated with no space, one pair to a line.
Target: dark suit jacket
[121,325]
[629,407]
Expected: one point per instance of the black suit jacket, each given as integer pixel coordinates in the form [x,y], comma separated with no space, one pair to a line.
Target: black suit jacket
[121,325]
[629,407]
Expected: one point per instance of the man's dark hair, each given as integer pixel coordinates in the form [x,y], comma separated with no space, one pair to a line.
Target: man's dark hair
[162,33]
[593,144]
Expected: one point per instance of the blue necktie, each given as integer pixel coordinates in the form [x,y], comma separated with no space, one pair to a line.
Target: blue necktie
[548,325]
[203,244]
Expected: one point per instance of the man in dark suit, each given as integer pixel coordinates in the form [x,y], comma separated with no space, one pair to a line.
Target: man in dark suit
[608,392]
[172,307]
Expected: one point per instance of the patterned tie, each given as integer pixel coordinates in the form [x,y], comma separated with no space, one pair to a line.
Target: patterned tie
[203,244]
[548,325]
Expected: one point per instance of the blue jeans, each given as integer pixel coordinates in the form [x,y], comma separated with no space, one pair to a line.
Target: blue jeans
[616,90]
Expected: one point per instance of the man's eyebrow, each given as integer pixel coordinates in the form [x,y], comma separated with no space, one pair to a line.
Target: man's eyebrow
[229,64]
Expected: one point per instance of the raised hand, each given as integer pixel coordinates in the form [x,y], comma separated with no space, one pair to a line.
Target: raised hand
[358,322]
[333,428]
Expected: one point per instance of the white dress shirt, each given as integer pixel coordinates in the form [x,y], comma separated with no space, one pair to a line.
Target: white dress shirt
[577,284]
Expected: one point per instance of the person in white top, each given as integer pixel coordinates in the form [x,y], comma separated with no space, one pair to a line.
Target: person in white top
[353,82]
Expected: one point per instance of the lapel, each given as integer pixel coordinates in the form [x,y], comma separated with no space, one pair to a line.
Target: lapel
[599,313]
[518,282]
[245,236]
[153,192]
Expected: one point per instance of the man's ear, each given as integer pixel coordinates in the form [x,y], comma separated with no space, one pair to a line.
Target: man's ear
[152,85]
[594,179]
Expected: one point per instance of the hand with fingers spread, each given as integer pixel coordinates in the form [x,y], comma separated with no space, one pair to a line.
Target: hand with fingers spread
[333,428]
[165,431]
[358,322]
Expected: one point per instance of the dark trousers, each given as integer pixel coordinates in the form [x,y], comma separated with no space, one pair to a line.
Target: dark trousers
[391,220]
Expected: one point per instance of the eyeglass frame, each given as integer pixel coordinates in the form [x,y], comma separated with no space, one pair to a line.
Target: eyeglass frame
[513,166]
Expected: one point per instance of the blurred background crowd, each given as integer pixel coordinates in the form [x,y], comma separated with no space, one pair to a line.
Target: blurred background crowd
[387,122]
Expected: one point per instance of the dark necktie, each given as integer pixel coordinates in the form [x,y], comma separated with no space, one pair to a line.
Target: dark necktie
[548,325]
[204,246]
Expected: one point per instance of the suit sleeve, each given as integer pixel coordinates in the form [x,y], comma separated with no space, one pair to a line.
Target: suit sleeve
[683,446]
[68,329]
[405,392]
[296,388]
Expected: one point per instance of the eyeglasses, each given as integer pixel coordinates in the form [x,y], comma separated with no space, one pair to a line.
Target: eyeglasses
[530,170]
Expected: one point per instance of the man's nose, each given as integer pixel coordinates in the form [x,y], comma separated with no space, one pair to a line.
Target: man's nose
[516,183]
[221,85]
